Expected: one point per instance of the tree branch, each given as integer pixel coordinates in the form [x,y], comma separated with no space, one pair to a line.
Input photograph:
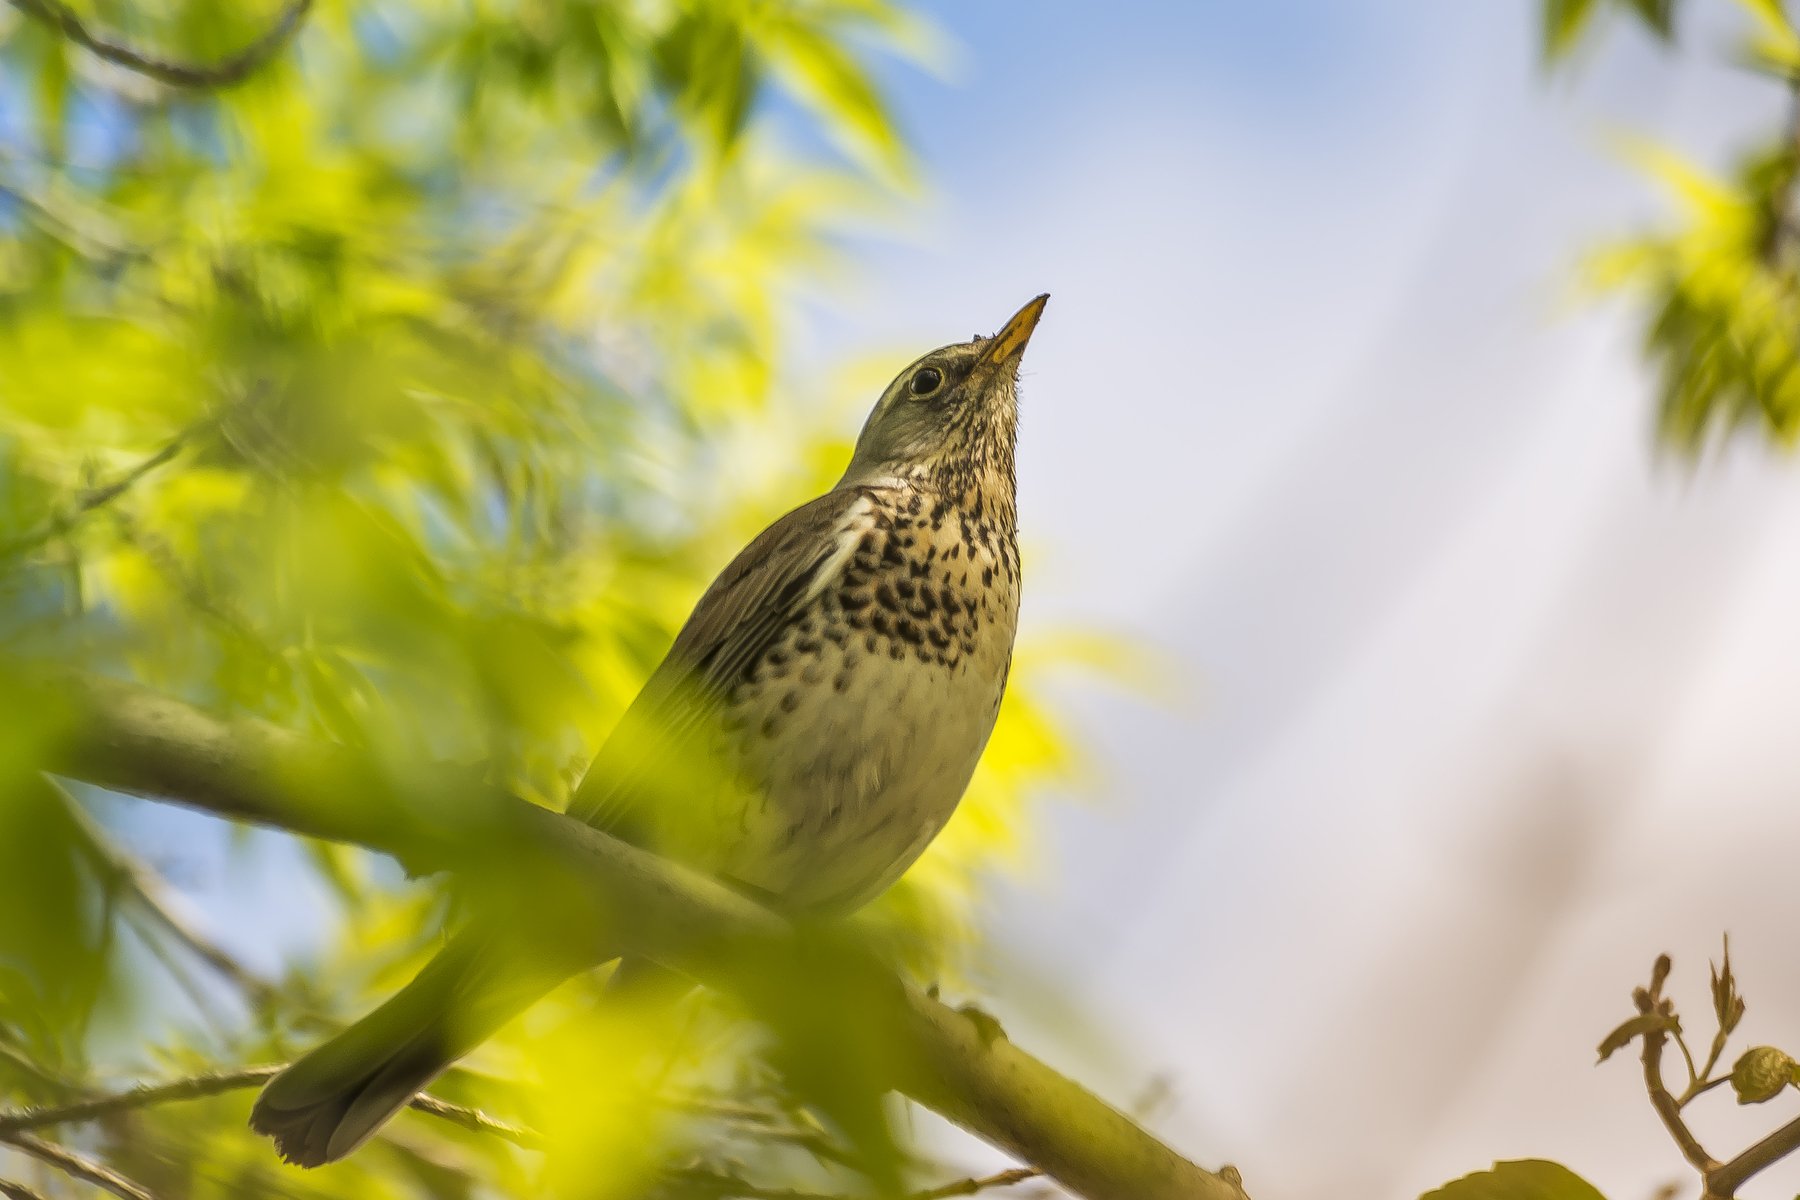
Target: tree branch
[1669,1109]
[1723,1182]
[1650,1002]
[227,71]
[98,497]
[18,1191]
[153,894]
[77,1166]
[970,1187]
[716,1186]
[436,817]
[214,1083]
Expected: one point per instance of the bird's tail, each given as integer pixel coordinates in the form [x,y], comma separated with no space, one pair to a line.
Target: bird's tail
[334,1099]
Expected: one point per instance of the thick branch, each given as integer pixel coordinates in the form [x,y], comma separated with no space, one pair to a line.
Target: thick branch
[125,738]
[224,73]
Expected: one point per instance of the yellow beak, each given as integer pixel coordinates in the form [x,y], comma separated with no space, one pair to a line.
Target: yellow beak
[1010,341]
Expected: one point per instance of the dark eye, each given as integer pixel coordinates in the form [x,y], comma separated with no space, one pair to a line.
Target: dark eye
[927,381]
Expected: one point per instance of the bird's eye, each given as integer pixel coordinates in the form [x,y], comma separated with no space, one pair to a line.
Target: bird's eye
[927,381]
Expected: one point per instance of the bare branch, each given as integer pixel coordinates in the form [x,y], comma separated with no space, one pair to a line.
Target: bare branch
[216,1082]
[437,817]
[1723,1181]
[716,1186]
[92,498]
[18,1191]
[1650,1001]
[476,1121]
[153,896]
[23,1064]
[77,1166]
[226,72]
[970,1187]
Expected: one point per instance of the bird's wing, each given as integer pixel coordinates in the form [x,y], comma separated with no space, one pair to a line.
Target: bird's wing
[736,621]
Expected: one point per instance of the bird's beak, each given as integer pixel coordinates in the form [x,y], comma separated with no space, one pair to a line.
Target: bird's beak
[1009,343]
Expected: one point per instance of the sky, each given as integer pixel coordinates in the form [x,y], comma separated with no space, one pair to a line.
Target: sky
[1482,702]
[1483,698]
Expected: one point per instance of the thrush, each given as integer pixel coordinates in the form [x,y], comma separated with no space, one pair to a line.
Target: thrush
[809,732]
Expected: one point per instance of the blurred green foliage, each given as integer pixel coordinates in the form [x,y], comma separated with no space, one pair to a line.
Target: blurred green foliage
[1721,286]
[408,391]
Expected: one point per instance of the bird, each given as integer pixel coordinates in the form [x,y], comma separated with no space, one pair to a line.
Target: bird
[809,732]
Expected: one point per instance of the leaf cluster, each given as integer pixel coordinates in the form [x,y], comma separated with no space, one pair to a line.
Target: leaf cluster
[1719,285]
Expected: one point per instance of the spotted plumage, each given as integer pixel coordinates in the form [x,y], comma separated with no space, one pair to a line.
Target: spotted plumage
[809,732]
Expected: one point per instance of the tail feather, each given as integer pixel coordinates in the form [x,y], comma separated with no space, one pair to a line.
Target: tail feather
[335,1098]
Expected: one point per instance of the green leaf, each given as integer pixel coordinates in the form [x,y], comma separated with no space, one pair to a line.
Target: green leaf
[1637,1027]
[827,77]
[54,82]
[1775,44]
[1527,1179]
[1770,15]
[1564,23]
[1659,15]
[1761,1074]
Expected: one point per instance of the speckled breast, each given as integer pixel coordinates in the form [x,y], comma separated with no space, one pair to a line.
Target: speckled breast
[856,734]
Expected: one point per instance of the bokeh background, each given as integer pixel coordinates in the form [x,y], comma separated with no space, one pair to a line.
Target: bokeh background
[1450,693]
[1487,697]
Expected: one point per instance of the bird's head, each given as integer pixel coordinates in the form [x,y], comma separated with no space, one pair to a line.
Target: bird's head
[951,416]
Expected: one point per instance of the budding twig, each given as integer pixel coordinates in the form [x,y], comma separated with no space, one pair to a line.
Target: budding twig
[1657,1023]
[1650,1002]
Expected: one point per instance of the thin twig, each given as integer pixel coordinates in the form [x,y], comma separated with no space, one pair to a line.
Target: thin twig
[153,895]
[22,1063]
[91,498]
[1650,1000]
[970,1187]
[80,235]
[232,69]
[768,1126]
[1687,1056]
[77,1166]
[1700,1089]
[475,1120]
[214,1083]
[720,1186]
[18,1191]
[93,1107]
